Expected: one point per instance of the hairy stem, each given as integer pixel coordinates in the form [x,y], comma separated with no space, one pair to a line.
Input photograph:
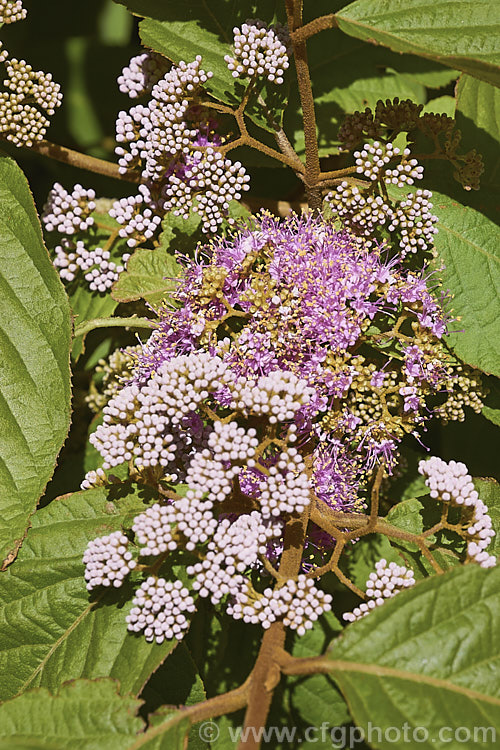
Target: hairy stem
[83,161]
[314,27]
[312,172]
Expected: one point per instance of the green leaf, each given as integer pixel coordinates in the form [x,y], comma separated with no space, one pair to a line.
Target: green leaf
[441,105]
[468,244]
[478,117]
[51,629]
[88,715]
[407,516]
[428,657]
[35,332]
[489,492]
[150,275]
[462,34]
[360,80]
[176,683]
[170,734]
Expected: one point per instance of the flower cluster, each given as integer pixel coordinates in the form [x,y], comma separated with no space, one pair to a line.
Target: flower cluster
[295,361]
[451,483]
[259,51]
[254,394]
[304,296]
[387,581]
[173,141]
[30,99]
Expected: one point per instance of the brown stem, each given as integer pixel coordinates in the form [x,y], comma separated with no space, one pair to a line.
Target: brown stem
[266,673]
[330,521]
[337,174]
[375,497]
[247,140]
[83,161]
[314,27]
[263,679]
[281,138]
[312,171]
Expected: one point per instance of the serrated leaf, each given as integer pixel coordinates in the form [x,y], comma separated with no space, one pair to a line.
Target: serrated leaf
[462,34]
[150,274]
[35,332]
[181,31]
[168,735]
[428,657]
[88,715]
[51,629]
[468,244]
[441,105]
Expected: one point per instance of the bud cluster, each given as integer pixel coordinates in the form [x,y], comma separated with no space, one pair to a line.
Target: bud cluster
[367,210]
[31,98]
[68,213]
[156,423]
[71,215]
[259,51]
[391,118]
[299,603]
[451,483]
[140,75]
[387,581]
[173,141]
[159,610]
[12,11]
